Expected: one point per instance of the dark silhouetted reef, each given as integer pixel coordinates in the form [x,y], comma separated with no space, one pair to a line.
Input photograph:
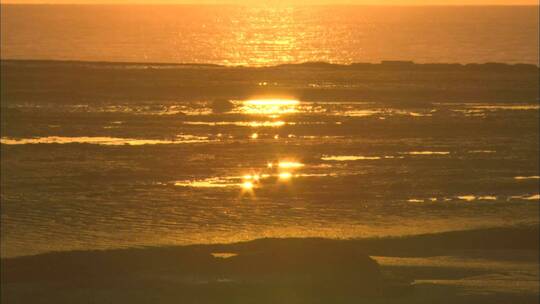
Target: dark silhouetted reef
[221,105]
[392,81]
[308,270]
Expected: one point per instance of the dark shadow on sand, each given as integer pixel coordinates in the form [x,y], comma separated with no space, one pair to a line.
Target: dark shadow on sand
[262,271]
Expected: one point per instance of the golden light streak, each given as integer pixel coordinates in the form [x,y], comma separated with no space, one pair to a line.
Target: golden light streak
[272,124]
[272,107]
[290,164]
[272,101]
[247,185]
[285,176]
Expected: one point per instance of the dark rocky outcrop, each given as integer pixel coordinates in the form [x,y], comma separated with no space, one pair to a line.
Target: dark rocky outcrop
[221,106]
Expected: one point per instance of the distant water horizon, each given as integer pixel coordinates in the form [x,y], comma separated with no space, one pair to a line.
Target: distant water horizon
[319,64]
[262,36]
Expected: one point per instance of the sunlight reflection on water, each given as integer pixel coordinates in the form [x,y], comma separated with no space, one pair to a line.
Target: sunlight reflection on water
[349,157]
[253,124]
[281,171]
[276,106]
[477,198]
[313,168]
[102,140]
[427,153]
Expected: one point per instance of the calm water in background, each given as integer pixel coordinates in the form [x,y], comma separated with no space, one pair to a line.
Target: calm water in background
[266,36]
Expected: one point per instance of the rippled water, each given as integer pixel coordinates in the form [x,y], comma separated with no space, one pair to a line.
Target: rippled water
[233,35]
[86,176]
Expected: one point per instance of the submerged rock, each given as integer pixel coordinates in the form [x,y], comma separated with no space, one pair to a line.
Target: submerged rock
[221,105]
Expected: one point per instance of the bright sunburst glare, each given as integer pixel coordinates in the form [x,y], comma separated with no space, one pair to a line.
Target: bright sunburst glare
[272,101]
[290,164]
[285,176]
[247,185]
[254,177]
[271,106]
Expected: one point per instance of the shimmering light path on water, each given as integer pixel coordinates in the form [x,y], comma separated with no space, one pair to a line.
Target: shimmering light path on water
[313,169]
[261,36]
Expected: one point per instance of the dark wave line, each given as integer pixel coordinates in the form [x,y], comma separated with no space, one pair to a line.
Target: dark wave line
[310,64]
